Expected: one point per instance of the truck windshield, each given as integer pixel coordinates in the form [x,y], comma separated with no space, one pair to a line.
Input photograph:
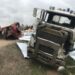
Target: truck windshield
[60,19]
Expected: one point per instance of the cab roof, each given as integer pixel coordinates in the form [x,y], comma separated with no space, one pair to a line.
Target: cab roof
[65,13]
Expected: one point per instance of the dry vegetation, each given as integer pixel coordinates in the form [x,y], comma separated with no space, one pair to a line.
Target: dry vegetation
[13,63]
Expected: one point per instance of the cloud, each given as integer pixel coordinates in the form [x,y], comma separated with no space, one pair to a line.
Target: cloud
[63,4]
[21,10]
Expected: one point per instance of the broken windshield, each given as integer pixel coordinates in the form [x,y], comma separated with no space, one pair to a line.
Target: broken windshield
[60,19]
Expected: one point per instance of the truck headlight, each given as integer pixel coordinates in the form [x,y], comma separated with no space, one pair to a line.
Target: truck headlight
[32,41]
[61,53]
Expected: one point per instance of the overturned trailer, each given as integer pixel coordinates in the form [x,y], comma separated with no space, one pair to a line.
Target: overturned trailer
[54,38]
[11,31]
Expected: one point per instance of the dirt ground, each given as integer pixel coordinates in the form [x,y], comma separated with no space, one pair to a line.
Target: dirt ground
[4,43]
[13,63]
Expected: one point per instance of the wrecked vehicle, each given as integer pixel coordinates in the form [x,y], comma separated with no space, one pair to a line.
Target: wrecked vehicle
[54,38]
[12,31]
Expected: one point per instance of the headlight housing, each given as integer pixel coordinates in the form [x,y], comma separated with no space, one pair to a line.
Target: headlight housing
[32,41]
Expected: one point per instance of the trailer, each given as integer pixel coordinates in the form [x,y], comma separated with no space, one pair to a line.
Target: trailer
[11,31]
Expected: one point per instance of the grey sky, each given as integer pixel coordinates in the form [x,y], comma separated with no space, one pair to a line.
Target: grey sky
[21,10]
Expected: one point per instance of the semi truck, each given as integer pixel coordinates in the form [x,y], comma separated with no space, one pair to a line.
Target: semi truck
[54,36]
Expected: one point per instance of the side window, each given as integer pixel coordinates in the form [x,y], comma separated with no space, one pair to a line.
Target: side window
[46,18]
[38,13]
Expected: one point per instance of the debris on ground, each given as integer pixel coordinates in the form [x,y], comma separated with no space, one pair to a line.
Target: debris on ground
[25,38]
[72,55]
[26,35]
[23,48]
[11,31]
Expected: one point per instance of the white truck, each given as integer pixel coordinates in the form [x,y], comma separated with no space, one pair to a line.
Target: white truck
[54,38]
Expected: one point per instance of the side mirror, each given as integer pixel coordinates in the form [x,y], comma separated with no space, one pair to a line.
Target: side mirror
[35,12]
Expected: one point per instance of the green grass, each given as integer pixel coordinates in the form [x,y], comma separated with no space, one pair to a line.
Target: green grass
[70,62]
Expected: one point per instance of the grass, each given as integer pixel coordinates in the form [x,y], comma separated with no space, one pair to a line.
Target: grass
[70,62]
[13,63]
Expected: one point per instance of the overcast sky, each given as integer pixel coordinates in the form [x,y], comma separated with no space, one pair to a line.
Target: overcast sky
[21,10]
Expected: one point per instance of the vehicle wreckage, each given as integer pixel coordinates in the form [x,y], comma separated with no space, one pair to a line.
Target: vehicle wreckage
[11,31]
[54,38]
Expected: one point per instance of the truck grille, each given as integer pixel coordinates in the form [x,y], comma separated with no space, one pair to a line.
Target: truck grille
[48,36]
[46,49]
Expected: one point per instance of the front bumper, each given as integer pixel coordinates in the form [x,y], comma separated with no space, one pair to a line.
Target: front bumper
[45,58]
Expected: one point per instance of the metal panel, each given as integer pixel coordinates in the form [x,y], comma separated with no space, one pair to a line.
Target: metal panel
[48,43]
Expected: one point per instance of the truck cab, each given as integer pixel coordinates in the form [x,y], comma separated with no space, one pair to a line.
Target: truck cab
[54,38]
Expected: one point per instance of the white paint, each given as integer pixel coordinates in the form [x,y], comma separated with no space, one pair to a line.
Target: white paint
[72,55]
[74,46]
[25,38]
[23,48]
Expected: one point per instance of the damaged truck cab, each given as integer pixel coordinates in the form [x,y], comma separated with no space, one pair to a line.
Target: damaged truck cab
[54,38]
